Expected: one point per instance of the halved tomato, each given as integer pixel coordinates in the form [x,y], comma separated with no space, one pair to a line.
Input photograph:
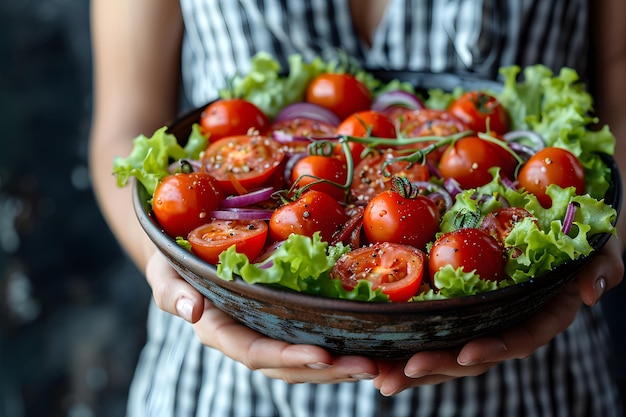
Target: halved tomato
[368,179]
[211,239]
[243,161]
[396,269]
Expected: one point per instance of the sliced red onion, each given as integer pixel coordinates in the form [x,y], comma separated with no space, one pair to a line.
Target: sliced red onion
[285,138]
[536,140]
[507,182]
[452,186]
[523,151]
[291,162]
[267,252]
[396,98]
[248,199]
[568,220]
[436,193]
[432,168]
[304,110]
[241,214]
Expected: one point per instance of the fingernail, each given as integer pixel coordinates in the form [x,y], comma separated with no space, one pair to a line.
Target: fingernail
[494,351]
[319,365]
[469,362]
[363,376]
[599,287]
[389,393]
[184,308]
[419,373]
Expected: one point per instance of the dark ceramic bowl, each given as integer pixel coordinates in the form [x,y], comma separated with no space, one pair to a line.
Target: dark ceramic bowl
[386,330]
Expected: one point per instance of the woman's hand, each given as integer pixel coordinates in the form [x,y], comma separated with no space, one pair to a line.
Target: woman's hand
[604,272]
[276,359]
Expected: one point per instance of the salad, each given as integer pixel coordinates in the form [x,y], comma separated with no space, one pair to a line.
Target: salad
[329,181]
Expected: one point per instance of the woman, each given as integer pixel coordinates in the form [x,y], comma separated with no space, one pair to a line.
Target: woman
[146,53]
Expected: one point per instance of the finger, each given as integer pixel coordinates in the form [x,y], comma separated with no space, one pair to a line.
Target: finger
[344,368]
[521,341]
[605,271]
[217,329]
[171,293]
[443,362]
[425,368]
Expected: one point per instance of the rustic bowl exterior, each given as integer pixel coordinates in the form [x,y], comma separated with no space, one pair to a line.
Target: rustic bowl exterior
[383,330]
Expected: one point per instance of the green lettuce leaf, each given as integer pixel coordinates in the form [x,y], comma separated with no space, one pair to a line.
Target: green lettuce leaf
[151,156]
[300,264]
[269,87]
[560,109]
[540,245]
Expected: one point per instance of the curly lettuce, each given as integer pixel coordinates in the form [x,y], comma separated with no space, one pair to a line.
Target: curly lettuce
[151,156]
[301,264]
[540,243]
[559,108]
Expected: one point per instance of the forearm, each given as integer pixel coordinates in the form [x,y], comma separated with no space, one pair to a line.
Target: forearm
[136,50]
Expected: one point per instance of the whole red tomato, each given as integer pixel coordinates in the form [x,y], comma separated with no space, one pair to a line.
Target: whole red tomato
[181,201]
[314,168]
[551,165]
[228,117]
[481,112]
[469,159]
[367,123]
[469,248]
[314,211]
[397,270]
[391,217]
[342,94]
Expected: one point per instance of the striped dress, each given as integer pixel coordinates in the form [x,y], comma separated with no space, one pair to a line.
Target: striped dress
[177,376]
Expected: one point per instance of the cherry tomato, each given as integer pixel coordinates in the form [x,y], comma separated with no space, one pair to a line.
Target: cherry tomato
[498,224]
[397,270]
[342,94]
[211,239]
[368,179]
[311,168]
[246,161]
[229,117]
[481,111]
[551,166]
[469,159]
[313,211]
[470,248]
[390,217]
[367,123]
[181,201]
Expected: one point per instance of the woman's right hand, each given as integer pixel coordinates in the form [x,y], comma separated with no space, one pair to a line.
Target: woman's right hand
[215,329]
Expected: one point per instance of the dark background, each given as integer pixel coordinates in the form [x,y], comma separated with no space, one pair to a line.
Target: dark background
[72,307]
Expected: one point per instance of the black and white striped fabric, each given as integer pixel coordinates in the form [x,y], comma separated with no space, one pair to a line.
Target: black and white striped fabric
[460,36]
[571,377]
